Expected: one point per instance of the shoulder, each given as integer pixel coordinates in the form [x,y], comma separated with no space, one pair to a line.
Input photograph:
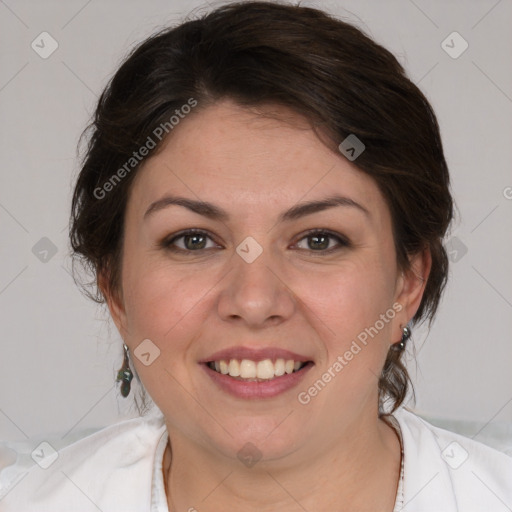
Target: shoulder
[451,471]
[110,469]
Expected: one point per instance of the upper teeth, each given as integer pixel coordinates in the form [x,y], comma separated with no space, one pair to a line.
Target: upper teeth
[247,369]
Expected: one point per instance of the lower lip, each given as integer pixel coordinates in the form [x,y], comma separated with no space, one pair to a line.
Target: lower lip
[254,390]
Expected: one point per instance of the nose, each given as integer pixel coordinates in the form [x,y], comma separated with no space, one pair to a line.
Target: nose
[256,293]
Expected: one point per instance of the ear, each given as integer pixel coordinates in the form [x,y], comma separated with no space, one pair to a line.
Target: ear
[114,302]
[410,287]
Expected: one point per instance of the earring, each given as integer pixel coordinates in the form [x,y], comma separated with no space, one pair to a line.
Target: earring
[124,374]
[406,334]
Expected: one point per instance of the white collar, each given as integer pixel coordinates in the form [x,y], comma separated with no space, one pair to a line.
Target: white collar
[158,494]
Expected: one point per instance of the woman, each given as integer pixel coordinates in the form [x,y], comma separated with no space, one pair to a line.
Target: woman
[263,203]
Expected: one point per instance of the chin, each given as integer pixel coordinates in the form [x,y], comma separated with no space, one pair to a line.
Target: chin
[263,439]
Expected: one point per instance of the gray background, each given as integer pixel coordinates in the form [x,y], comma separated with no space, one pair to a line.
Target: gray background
[59,351]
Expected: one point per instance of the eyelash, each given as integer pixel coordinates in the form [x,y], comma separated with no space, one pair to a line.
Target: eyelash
[343,242]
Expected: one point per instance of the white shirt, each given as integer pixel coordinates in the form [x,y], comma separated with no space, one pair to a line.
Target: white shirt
[119,469]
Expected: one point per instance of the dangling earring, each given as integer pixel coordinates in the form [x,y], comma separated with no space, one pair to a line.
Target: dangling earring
[124,374]
[406,334]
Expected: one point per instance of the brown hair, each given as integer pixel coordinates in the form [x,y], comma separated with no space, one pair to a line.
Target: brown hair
[258,53]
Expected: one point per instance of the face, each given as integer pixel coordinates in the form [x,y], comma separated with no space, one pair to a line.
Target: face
[267,280]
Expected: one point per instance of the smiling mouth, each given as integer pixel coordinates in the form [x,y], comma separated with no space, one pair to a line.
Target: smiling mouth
[257,371]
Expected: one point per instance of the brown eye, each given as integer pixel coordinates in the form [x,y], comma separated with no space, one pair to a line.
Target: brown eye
[320,240]
[192,240]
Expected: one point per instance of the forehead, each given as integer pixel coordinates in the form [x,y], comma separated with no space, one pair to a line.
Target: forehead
[237,158]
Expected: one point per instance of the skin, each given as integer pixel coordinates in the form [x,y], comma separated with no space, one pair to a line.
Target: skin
[314,457]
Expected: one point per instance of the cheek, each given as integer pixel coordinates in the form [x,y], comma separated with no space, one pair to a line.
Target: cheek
[169,308]
[350,297]
[160,299]
[358,309]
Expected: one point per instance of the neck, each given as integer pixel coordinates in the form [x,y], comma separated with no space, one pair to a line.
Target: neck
[359,468]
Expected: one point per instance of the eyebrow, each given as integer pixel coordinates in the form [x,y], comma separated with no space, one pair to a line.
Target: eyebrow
[216,213]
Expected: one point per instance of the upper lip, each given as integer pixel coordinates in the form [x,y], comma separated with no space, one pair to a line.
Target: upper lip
[254,354]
